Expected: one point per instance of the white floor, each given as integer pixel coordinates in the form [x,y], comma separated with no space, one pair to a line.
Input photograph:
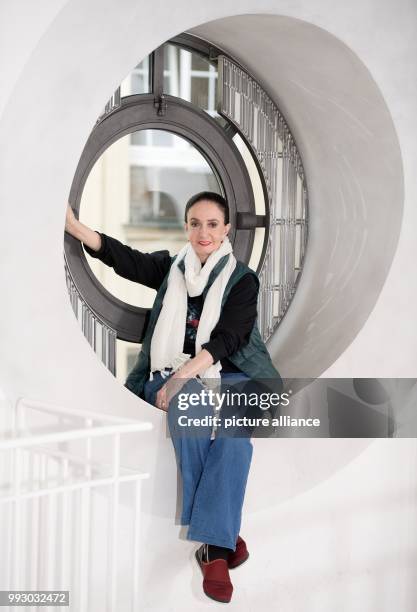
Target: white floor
[348,543]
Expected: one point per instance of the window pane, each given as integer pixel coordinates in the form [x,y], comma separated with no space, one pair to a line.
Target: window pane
[136,192]
[138,138]
[138,80]
[199,62]
[191,77]
[199,92]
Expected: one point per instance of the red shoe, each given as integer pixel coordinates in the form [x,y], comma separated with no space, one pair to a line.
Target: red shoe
[216,582]
[239,556]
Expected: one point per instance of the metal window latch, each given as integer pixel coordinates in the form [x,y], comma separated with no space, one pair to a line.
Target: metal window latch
[160,104]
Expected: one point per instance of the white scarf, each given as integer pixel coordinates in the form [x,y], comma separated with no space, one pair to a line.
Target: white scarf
[168,336]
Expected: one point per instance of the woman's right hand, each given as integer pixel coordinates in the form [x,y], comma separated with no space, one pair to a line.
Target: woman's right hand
[168,391]
[80,231]
[70,220]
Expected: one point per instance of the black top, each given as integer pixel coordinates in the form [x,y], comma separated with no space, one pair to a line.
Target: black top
[237,317]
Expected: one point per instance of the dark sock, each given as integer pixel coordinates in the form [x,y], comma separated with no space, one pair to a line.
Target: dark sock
[217,552]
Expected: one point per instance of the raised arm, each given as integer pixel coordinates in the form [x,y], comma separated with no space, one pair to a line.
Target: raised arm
[82,232]
[148,269]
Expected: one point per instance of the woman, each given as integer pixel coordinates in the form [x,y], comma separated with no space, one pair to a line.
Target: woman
[203,323]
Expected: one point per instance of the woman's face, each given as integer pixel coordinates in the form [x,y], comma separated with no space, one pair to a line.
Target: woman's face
[206,228]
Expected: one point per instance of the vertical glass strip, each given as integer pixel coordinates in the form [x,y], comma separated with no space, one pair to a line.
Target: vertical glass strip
[93,329]
[257,117]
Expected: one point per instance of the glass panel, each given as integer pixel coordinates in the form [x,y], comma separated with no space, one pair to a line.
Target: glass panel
[138,138]
[199,92]
[191,77]
[255,179]
[220,120]
[253,111]
[199,63]
[127,353]
[258,195]
[137,82]
[187,75]
[137,194]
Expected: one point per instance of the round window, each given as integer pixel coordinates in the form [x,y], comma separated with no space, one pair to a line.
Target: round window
[136,192]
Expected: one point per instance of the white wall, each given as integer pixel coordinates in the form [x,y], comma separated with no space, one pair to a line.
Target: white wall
[352,161]
[338,515]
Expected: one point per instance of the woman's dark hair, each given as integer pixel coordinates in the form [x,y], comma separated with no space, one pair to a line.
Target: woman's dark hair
[211,196]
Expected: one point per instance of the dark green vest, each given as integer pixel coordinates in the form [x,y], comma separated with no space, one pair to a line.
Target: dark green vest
[253,359]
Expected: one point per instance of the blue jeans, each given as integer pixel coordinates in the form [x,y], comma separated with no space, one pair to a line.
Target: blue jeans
[214,472]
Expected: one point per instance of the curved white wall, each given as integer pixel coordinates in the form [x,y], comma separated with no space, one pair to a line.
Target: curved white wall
[57,69]
[352,160]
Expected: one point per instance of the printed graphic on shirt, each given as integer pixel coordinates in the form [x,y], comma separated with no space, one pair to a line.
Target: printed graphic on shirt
[194,308]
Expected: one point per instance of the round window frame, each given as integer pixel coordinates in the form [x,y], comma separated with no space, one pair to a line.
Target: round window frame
[140,112]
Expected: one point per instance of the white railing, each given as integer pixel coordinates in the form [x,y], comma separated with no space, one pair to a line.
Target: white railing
[62,521]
